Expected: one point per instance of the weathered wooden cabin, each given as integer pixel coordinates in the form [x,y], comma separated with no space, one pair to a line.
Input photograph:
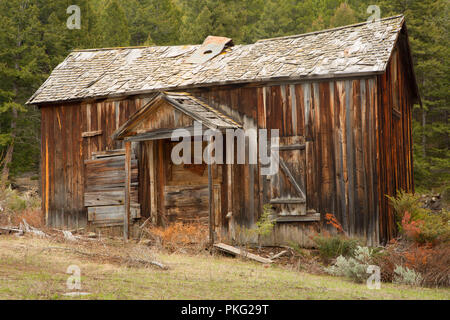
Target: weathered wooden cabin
[341,99]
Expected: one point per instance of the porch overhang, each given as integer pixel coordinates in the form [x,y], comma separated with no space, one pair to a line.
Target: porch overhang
[167,112]
[157,120]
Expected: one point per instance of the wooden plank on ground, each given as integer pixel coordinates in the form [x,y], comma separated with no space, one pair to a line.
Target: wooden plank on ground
[243,253]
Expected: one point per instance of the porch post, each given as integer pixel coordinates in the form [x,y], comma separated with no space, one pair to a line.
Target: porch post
[211,200]
[126,218]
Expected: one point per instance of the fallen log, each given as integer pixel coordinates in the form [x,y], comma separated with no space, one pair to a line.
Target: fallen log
[9,230]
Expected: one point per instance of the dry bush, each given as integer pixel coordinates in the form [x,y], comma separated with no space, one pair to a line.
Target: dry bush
[178,235]
[32,216]
[16,206]
[432,263]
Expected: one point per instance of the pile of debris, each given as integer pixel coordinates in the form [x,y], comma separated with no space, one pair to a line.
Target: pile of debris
[432,202]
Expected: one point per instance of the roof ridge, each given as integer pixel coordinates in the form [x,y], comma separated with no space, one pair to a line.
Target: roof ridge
[258,41]
[326,30]
[132,47]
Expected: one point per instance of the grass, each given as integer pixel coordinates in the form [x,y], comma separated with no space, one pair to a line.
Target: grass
[28,271]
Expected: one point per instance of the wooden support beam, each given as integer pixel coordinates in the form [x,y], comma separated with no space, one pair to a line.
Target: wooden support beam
[152,169]
[126,220]
[297,146]
[211,199]
[211,205]
[291,178]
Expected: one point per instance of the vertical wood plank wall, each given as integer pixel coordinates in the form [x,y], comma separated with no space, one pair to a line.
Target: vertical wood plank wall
[63,151]
[395,159]
[338,121]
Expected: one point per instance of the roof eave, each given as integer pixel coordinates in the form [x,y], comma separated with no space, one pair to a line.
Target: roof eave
[261,81]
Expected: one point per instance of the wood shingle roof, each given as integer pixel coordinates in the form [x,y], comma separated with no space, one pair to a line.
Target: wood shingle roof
[346,51]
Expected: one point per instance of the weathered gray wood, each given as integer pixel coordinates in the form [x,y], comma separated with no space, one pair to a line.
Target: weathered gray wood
[104,198]
[91,133]
[242,253]
[291,178]
[102,213]
[287,201]
[279,255]
[109,153]
[158,134]
[303,218]
[109,197]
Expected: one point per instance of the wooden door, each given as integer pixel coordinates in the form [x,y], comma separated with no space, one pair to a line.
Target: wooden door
[287,192]
[104,195]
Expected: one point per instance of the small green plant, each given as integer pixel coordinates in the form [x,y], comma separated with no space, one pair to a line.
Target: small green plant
[264,226]
[354,267]
[433,228]
[407,276]
[332,246]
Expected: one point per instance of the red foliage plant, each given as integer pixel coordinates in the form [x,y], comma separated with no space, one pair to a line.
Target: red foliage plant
[412,228]
[331,219]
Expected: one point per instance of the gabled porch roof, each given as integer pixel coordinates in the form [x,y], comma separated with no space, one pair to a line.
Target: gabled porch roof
[168,111]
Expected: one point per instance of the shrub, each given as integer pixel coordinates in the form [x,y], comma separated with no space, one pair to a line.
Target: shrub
[14,205]
[436,228]
[407,276]
[180,235]
[355,267]
[431,262]
[431,228]
[418,224]
[332,246]
[406,202]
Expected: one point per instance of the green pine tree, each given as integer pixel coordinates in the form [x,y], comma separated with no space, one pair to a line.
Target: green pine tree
[114,25]
[23,63]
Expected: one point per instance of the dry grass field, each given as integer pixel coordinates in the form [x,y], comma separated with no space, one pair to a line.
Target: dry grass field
[33,268]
